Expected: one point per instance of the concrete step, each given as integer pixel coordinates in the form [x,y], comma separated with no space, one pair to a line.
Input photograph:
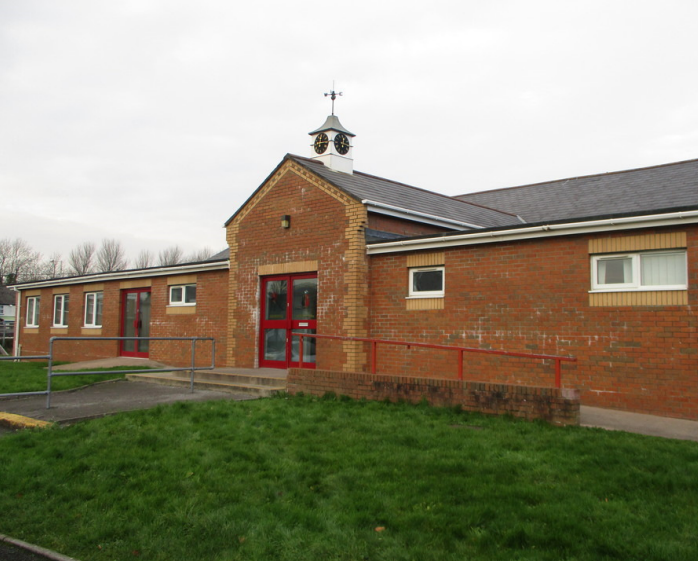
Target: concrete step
[238,380]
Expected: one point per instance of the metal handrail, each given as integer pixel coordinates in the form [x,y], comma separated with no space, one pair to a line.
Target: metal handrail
[461,350]
[193,368]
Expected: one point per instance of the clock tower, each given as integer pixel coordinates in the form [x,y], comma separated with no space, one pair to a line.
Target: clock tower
[332,143]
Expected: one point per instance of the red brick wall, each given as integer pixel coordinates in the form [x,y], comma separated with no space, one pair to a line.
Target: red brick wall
[320,231]
[208,321]
[532,296]
[557,406]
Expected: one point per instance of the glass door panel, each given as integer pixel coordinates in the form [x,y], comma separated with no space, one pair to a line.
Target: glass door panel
[129,322]
[304,299]
[275,299]
[308,347]
[275,344]
[144,321]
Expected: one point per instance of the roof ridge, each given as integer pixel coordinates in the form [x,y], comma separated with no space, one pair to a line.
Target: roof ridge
[564,179]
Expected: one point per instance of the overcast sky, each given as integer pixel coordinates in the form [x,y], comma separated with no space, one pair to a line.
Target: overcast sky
[152,121]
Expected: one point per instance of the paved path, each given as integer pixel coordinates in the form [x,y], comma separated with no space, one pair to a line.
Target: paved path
[638,423]
[106,398]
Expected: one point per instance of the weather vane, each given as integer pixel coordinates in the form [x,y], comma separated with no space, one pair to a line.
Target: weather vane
[333,95]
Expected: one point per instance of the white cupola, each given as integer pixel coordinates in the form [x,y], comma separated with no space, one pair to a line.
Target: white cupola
[332,143]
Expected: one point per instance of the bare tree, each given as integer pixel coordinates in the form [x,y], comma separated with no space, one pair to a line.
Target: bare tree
[170,256]
[81,258]
[52,268]
[17,260]
[144,260]
[199,255]
[111,257]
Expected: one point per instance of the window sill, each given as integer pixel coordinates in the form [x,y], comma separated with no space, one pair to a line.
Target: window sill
[90,331]
[430,296]
[639,289]
[59,330]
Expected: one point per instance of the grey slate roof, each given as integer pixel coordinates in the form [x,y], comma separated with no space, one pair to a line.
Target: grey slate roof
[220,256]
[363,186]
[663,187]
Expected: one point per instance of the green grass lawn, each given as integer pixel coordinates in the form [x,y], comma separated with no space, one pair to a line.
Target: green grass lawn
[293,478]
[30,376]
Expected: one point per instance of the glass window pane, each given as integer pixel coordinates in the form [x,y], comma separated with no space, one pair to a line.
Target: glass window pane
[304,299]
[190,294]
[275,300]
[663,269]
[30,310]
[176,294]
[98,309]
[89,309]
[427,281]
[66,301]
[57,310]
[615,271]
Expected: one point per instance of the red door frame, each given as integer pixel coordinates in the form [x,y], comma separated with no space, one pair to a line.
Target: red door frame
[289,324]
[136,322]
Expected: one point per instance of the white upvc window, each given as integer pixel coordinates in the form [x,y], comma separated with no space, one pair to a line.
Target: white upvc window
[657,270]
[60,310]
[427,282]
[33,311]
[183,295]
[93,309]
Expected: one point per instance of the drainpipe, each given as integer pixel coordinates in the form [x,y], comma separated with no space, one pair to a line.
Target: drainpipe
[18,318]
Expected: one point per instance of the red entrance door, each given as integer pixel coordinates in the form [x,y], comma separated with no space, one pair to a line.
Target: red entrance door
[135,321]
[289,305]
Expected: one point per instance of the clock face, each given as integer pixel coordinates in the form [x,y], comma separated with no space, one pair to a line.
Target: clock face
[320,143]
[341,144]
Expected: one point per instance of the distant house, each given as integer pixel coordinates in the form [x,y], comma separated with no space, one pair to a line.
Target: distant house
[602,267]
[7,304]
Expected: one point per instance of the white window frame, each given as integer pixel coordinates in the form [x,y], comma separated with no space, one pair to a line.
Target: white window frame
[64,301]
[91,320]
[636,285]
[182,302]
[33,309]
[411,293]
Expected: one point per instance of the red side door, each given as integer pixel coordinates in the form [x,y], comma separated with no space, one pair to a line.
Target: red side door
[289,304]
[135,321]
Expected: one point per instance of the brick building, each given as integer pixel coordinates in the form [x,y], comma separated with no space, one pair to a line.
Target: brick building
[603,268]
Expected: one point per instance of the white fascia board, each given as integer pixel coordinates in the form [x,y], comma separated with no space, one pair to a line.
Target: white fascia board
[390,210]
[533,232]
[126,275]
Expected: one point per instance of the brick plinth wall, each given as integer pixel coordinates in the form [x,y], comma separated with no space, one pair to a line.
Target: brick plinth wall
[556,406]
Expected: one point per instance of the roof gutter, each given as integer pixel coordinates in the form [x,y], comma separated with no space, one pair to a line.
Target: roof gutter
[123,275]
[532,232]
[383,208]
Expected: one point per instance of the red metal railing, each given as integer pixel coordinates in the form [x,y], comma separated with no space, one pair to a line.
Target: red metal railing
[461,351]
